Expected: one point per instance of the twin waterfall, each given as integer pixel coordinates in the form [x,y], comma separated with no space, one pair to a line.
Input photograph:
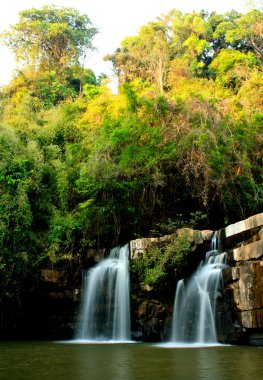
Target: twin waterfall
[105,307]
[195,301]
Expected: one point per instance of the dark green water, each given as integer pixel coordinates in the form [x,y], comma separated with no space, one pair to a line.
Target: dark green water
[55,361]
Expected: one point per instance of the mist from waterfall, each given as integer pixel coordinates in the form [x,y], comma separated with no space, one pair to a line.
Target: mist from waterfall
[105,305]
[195,301]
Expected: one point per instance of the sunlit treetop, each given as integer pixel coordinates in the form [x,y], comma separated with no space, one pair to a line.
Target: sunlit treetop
[51,37]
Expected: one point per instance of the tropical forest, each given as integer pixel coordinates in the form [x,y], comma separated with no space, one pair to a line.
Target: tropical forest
[84,166]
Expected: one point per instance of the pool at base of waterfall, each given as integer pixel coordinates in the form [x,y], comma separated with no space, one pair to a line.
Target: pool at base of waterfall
[141,361]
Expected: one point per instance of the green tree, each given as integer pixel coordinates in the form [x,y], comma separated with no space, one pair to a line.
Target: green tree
[51,37]
[249,29]
[232,67]
[220,25]
[145,56]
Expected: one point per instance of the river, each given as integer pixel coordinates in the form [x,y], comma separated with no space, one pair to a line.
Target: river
[134,361]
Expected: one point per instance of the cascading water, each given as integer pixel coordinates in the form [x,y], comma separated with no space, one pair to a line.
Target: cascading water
[105,306]
[195,301]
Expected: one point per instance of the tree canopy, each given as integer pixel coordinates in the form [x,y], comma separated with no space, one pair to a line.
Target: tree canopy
[51,37]
[179,145]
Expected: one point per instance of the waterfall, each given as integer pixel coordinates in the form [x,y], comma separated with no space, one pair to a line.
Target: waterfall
[105,306]
[195,300]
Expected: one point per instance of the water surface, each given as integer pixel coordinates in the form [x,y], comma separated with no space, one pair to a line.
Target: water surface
[57,361]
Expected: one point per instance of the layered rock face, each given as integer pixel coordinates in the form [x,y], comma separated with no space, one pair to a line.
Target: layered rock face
[239,315]
[243,243]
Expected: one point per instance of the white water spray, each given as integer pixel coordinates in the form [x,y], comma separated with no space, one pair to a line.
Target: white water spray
[105,306]
[195,301]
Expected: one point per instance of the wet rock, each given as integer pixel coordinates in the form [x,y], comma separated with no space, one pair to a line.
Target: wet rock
[151,319]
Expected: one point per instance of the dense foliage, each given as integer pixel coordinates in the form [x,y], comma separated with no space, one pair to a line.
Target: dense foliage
[82,167]
[159,260]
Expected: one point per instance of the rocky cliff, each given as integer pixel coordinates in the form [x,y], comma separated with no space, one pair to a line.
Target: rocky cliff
[240,308]
[243,242]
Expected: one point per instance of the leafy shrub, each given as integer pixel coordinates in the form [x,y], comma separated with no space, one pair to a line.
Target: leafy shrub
[153,266]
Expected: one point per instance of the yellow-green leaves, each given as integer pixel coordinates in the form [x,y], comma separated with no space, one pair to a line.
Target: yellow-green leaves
[232,67]
[50,37]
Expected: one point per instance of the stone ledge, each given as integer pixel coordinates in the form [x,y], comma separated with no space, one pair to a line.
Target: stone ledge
[138,247]
[250,251]
[244,225]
